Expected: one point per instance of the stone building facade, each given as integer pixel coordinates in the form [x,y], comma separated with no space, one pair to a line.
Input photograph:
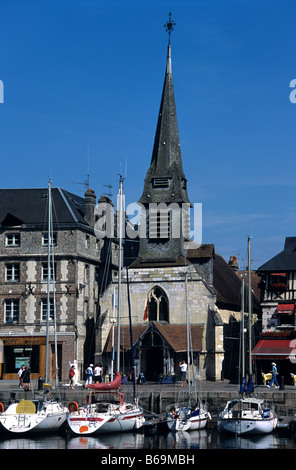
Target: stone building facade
[24,273]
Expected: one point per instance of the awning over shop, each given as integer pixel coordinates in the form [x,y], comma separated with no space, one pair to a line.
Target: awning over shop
[285,308]
[274,349]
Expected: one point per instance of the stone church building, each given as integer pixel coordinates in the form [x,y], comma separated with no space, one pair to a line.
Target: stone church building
[176,292]
[173,282]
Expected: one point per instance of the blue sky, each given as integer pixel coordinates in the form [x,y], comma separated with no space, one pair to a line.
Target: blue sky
[82,87]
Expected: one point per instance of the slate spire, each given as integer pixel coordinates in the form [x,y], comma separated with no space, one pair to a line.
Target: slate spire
[166,169]
[162,231]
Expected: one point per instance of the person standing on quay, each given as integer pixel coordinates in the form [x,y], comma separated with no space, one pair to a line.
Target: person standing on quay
[274,374]
[183,367]
[26,378]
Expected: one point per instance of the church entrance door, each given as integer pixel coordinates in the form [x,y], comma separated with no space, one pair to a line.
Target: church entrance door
[154,363]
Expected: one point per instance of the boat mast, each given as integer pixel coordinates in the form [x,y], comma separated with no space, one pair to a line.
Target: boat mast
[243,330]
[50,276]
[250,307]
[48,282]
[120,228]
[188,341]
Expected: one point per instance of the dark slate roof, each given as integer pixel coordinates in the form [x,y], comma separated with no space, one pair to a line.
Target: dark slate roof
[179,261]
[29,207]
[227,286]
[203,251]
[284,261]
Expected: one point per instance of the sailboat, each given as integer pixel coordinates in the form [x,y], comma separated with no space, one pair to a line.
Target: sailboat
[45,413]
[106,410]
[247,414]
[193,415]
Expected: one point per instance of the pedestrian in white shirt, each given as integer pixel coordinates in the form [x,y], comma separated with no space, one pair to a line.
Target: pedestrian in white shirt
[183,367]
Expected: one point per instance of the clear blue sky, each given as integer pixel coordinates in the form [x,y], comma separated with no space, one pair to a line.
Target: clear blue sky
[82,87]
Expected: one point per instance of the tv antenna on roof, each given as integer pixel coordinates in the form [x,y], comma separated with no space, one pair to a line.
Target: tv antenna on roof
[110,194]
[86,182]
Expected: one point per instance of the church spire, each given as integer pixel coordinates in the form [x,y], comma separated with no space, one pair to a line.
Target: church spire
[166,169]
[165,182]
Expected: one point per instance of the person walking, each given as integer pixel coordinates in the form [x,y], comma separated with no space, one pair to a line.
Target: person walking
[183,367]
[98,372]
[26,378]
[89,374]
[20,376]
[274,374]
[72,377]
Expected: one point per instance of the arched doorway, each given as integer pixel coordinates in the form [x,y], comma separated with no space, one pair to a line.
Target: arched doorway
[154,353]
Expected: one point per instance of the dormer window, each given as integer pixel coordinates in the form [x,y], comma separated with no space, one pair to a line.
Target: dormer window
[161,182]
[13,239]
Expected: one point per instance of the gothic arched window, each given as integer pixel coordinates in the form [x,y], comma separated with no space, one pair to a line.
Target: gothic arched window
[157,308]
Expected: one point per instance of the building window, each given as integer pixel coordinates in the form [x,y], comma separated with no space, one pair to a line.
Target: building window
[161,182]
[278,282]
[12,273]
[86,273]
[44,309]
[45,239]
[44,275]
[87,241]
[11,311]
[157,307]
[13,239]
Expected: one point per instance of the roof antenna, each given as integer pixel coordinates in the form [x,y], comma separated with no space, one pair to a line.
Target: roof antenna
[110,187]
[86,182]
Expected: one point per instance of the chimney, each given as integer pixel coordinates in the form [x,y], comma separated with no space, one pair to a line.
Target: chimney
[89,206]
[233,263]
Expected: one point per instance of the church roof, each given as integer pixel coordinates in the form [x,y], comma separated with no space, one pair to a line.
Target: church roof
[174,335]
[227,286]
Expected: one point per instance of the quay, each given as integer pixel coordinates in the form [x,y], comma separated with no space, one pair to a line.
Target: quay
[155,398]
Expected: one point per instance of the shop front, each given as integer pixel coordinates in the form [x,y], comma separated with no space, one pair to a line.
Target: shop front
[25,350]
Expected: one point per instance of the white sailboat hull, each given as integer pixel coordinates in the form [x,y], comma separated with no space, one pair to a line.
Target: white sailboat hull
[246,426]
[49,419]
[199,422]
[115,419]
[246,416]
[187,421]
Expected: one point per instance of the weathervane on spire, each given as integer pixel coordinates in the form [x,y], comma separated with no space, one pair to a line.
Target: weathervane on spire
[169,25]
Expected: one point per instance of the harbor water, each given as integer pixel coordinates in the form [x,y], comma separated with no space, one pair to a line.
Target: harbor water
[204,439]
[154,395]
